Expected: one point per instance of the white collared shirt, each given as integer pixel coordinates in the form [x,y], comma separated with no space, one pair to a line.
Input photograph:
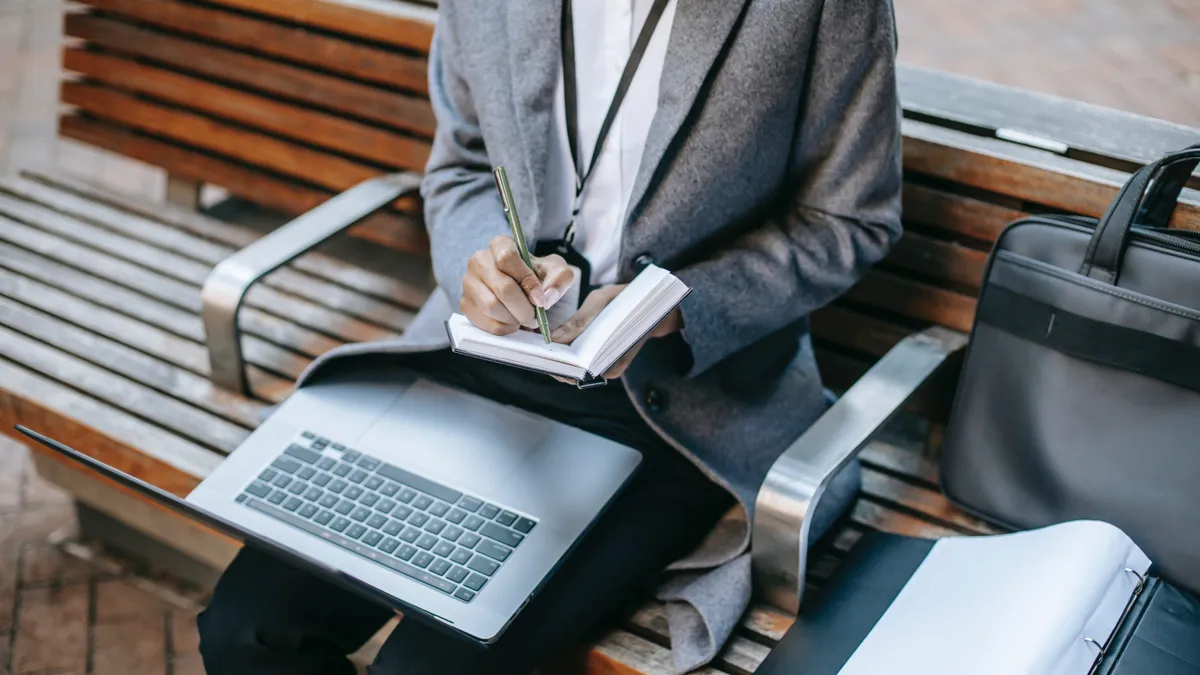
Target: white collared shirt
[605,32]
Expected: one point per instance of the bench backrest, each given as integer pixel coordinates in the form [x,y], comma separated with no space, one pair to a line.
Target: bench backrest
[285,104]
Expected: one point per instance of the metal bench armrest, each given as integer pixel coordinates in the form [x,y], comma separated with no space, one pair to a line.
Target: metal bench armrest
[226,286]
[799,477]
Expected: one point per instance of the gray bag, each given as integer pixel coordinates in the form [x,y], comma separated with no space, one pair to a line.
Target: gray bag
[1080,392]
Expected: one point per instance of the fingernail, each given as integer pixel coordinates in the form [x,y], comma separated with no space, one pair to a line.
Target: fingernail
[537,297]
[556,334]
[552,295]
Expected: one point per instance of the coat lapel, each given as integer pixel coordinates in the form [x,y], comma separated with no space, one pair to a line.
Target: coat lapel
[534,54]
[699,34]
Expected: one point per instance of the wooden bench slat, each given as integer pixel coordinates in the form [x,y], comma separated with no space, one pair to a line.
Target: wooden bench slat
[879,517]
[974,218]
[851,329]
[272,78]
[163,377]
[907,463]
[295,44]
[939,260]
[389,288]
[899,295]
[272,191]
[310,127]
[622,653]
[158,315]
[173,240]
[403,24]
[932,505]
[107,433]
[200,427]
[739,656]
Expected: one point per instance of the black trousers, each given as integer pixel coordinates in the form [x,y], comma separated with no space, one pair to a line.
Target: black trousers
[268,618]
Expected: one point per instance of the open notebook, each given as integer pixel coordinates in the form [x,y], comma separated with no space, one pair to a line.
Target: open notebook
[619,326]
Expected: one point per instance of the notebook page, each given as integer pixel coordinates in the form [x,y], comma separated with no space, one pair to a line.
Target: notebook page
[522,342]
[614,317]
[1004,605]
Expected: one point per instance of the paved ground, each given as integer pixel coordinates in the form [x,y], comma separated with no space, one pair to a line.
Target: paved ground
[58,617]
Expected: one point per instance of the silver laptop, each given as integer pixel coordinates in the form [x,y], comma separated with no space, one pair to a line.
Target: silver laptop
[426,498]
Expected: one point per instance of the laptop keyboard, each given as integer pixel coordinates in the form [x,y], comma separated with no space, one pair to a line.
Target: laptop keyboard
[439,536]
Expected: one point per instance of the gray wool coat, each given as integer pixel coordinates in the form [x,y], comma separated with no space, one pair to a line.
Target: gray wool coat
[769,184]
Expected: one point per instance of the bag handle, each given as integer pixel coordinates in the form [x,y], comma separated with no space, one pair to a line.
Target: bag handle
[1147,198]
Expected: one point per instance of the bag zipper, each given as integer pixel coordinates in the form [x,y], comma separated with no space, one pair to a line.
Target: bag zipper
[1186,241]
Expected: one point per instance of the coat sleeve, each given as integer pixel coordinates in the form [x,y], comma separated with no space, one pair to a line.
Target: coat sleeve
[844,210]
[462,209]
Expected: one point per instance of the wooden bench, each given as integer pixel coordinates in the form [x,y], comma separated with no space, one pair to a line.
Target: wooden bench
[101,336]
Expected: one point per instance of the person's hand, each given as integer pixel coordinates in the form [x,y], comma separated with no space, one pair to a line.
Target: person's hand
[598,300]
[500,292]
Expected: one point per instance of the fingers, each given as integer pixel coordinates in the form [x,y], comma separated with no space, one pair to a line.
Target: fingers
[556,276]
[508,261]
[618,369]
[509,294]
[574,326]
[472,311]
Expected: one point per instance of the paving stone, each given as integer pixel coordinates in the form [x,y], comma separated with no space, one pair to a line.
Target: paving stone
[38,492]
[5,653]
[187,664]
[14,458]
[184,636]
[118,601]
[43,564]
[51,632]
[132,646]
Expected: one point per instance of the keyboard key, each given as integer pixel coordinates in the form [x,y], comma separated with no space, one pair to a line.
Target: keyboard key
[410,534]
[506,518]
[357,476]
[464,594]
[493,550]
[469,540]
[292,504]
[342,470]
[303,454]
[406,495]
[372,538]
[402,512]
[502,535]
[368,463]
[337,486]
[524,525]
[461,556]
[443,549]
[281,480]
[422,560]
[418,519]
[406,552]
[286,464]
[393,527]
[323,517]
[320,443]
[339,524]
[435,526]
[306,473]
[473,523]
[353,492]
[351,456]
[297,487]
[390,489]
[338,446]
[423,484]
[385,506]
[308,435]
[439,567]
[313,494]
[326,463]
[355,531]
[489,511]
[368,499]
[344,507]
[439,509]
[373,483]
[469,504]
[388,545]
[456,516]
[475,582]
[328,501]
[277,497]
[426,541]
[377,521]
[457,574]
[260,490]
[452,533]
[240,498]
[268,474]
[360,514]
[423,502]
[322,479]
[483,565]
[307,511]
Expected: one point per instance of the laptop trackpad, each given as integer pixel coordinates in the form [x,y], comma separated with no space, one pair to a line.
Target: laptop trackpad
[460,438]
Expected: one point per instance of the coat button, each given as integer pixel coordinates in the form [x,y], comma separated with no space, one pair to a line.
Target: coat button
[643,261]
[656,400]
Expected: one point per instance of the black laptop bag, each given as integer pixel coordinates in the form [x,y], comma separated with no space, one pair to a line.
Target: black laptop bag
[1080,393]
